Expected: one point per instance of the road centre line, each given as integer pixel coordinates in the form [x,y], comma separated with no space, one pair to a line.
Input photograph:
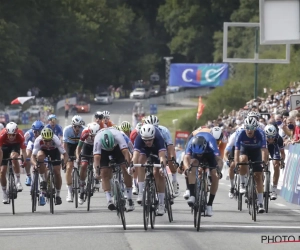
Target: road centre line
[141,226]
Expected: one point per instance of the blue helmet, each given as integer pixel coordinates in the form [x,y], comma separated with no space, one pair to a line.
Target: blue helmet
[37,125]
[52,116]
[199,145]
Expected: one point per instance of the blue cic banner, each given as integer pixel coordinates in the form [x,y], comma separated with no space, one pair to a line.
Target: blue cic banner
[198,75]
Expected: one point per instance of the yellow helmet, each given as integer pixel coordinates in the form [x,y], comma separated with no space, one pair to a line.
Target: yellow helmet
[125,126]
[47,134]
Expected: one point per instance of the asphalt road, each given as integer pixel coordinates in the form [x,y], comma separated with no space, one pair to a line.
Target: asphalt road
[71,228]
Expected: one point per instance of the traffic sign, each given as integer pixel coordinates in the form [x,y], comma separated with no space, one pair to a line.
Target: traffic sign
[153,109]
[154,77]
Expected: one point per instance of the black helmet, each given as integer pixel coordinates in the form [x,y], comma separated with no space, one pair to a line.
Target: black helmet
[99,115]
[199,144]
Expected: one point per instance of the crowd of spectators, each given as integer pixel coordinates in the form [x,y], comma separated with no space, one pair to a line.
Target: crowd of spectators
[274,109]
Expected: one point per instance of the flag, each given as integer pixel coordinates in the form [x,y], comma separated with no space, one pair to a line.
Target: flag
[200,108]
[21,100]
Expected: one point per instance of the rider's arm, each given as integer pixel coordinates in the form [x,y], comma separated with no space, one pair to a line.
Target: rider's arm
[186,161]
[264,148]
[22,146]
[137,149]
[78,149]
[126,154]
[1,155]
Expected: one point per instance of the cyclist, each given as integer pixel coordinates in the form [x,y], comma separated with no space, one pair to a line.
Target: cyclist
[11,142]
[106,119]
[251,145]
[48,144]
[126,128]
[134,133]
[256,115]
[30,136]
[85,145]
[99,118]
[110,143]
[71,136]
[202,147]
[171,154]
[150,141]
[57,129]
[276,149]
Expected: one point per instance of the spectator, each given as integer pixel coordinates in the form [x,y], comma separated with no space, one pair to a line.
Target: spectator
[296,138]
[67,107]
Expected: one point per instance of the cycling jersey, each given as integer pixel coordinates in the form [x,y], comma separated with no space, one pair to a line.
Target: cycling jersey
[69,135]
[128,142]
[119,141]
[29,136]
[30,146]
[165,134]
[85,137]
[257,141]
[275,147]
[134,133]
[39,144]
[157,146]
[18,139]
[231,141]
[57,129]
[211,144]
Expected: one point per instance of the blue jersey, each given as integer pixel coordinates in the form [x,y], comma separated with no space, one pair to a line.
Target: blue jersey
[277,141]
[157,146]
[212,146]
[69,135]
[257,141]
[165,133]
[57,129]
[29,136]
[128,142]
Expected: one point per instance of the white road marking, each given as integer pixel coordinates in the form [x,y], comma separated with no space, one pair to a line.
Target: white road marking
[141,226]
[280,205]
[297,211]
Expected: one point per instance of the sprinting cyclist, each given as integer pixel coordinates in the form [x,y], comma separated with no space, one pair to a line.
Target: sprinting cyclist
[57,129]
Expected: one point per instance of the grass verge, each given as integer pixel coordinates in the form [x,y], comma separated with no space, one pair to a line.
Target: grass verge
[166,118]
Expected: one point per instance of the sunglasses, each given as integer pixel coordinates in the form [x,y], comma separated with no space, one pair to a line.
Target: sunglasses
[271,136]
[77,126]
[11,135]
[250,127]
[36,131]
[52,120]
[146,140]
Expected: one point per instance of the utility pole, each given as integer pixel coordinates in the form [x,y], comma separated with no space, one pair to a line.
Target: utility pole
[168,63]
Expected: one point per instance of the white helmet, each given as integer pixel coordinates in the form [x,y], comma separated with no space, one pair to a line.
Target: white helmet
[138,126]
[11,128]
[152,119]
[270,130]
[1,126]
[93,128]
[217,133]
[77,120]
[253,114]
[250,121]
[106,114]
[147,132]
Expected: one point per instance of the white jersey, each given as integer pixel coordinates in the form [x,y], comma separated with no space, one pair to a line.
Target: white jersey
[30,145]
[231,141]
[39,144]
[119,140]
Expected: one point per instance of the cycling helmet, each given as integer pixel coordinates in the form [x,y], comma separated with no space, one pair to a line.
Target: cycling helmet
[76,120]
[52,116]
[125,126]
[253,114]
[217,133]
[11,128]
[152,119]
[83,123]
[116,127]
[250,121]
[270,130]
[138,126]
[37,125]
[106,114]
[47,134]
[198,145]
[99,115]
[107,140]
[147,132]
[93,128]
[1,126]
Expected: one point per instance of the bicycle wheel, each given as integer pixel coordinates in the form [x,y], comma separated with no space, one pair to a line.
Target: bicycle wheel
[12,191]
[196,203]
[267,191]
[154,204]
[168,201]
[253,200]
[249,195]
[34,191]
[50,190]
[121,204]
[202,199]
[146,204]
[239,195]
[89,189]
[75,187]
